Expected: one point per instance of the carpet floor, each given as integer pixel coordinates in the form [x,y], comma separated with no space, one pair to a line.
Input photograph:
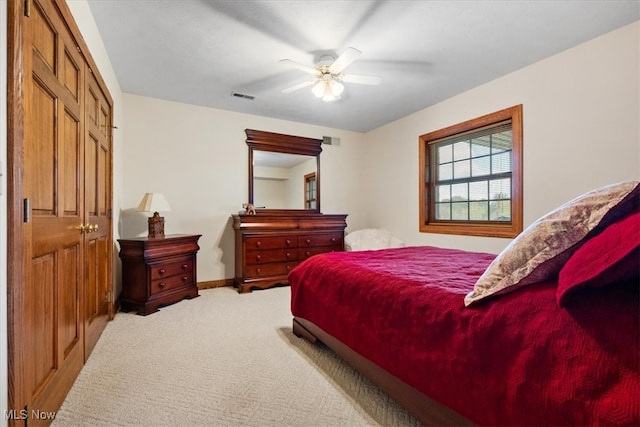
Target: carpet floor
[222,359]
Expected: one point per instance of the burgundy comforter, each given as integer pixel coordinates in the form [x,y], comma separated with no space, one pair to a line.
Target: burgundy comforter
[517,359]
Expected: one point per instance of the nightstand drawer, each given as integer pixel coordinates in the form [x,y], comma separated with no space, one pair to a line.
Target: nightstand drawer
[167,270]
[161,285]
[271,242]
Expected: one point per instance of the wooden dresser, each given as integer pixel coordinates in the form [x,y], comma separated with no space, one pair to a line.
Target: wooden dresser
[269,246]
[158,272]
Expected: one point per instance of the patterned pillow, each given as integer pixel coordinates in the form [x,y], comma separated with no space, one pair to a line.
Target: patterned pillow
[611,257]
[540,251]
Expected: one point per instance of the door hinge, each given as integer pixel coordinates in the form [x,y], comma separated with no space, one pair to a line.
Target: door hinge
[27,8]
[26,210]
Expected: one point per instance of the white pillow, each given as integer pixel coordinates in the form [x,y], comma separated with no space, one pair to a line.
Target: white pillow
[369,239]
[540,251]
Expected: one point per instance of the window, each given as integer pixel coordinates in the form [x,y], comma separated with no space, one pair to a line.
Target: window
[310,191]
[471,177]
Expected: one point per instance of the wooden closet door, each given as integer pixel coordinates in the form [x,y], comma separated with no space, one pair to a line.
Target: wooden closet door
[97,186]
[52,351]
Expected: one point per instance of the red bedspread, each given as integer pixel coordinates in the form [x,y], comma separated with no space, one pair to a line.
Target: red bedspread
[518,359]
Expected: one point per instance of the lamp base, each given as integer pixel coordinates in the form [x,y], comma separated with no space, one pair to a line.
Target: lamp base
[156,226]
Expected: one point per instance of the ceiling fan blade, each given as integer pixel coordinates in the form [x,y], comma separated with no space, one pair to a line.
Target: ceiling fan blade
[344,60]
[299,66]
[298,86]
[363,80]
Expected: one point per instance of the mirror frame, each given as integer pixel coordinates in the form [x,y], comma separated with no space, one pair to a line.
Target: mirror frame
[288,144]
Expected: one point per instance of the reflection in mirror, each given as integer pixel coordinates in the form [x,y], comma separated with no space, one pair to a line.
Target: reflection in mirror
[283,181]
[284,172]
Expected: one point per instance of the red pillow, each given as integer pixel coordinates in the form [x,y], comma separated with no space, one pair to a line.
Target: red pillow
[610,257]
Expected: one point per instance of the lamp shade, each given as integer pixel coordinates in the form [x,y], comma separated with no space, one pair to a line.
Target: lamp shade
[153,202]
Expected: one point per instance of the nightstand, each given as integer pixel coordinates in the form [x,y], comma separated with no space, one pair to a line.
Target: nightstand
[158,272]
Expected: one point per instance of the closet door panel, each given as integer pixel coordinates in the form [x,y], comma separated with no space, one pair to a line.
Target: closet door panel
[40,151]
[60,266]
[69,301]
[52,181]
[40,322]
[71,74]
[97,179]
[70,167]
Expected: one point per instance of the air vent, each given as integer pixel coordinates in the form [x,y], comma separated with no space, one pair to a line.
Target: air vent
[330,140]
[243,96]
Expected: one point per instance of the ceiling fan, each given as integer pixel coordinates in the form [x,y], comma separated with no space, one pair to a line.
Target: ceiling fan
[328,76]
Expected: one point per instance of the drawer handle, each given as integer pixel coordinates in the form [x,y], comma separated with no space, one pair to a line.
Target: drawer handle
[288,242]
[288,267]
[288,254]
[162,271]
[308,241]
[162,285]
[307,253]
[333,240]
[185,266]
[258,258]
[258,244]
[185,278]
[258,270]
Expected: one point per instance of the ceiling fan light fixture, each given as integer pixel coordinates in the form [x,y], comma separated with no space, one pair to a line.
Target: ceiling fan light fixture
[328,90]
[329,98]
[329,95]
[319,88]
[327,84]
[336,88]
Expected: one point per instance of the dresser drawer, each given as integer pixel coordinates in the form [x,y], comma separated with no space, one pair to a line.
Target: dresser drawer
[322,239]
[311,251]
[171,269]
[275,255]
[270,242]
[269,245]
[269,270]
[162,285]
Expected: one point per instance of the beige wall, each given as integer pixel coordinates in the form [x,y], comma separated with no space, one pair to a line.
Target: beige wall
[197,157]
[581,131]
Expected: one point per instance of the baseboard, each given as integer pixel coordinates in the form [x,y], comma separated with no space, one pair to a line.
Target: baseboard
[215,284]
[115,307]
[209,284]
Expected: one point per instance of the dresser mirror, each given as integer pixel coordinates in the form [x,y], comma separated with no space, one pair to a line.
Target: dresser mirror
[284,172]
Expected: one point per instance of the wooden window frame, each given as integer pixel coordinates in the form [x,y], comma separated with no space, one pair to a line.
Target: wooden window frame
[476,228]
[307,178]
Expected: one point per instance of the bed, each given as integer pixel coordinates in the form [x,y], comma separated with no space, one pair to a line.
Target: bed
[464,338]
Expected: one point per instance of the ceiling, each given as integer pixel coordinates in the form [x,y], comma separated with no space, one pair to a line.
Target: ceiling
[201,51]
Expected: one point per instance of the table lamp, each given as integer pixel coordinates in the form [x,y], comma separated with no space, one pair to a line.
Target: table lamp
[154,202]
